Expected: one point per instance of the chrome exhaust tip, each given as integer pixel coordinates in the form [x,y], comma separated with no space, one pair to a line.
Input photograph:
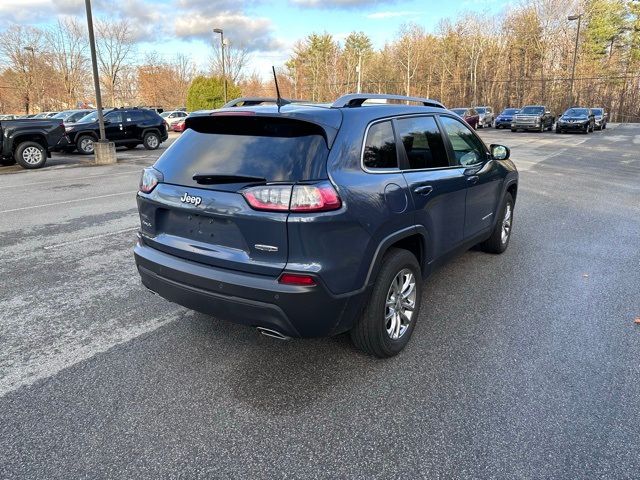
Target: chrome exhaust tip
[267,332]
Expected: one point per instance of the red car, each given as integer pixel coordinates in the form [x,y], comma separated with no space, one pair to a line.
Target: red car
[469,115]
[178,126]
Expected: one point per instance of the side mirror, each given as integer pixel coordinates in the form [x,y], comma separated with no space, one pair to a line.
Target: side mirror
[500,152]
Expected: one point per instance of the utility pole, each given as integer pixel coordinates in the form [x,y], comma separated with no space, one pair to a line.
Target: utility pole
[32,65]
[105,152]
[575,54]
[359,70]
[224,72]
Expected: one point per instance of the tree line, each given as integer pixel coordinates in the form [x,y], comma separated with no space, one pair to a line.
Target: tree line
[523,56]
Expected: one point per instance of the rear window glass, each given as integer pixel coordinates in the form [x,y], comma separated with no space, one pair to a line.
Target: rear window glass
[276,149]
[380,147]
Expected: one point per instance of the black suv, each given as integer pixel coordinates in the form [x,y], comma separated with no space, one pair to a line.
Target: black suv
[576,119]
[310,220]
[128,127]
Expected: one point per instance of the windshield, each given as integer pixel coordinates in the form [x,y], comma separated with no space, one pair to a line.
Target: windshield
[459,111]
[165,114]
[509,111]
[532,110]
[597,111]
[92,117]
[481,109]
[63,115]
[577,112]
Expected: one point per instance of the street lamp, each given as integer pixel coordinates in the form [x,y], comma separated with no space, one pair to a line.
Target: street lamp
[31,68]
[571,18]
[224,74]
[104,151]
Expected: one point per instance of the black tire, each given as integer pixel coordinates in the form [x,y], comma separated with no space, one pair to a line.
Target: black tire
[496,243]
[30,155]
[542,128]
[370,334]
[151,140]
[604,127]
[85,144]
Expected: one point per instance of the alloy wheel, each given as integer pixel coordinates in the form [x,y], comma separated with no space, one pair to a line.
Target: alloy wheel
[400,304]
[506,224]
[32,155]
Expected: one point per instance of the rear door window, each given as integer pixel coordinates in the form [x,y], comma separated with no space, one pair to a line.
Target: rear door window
[422,142]
[380,147]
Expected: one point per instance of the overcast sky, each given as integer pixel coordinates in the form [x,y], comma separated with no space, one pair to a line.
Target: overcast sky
[267,28]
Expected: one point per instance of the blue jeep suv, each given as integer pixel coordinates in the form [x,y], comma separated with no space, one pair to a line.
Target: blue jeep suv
[308,220]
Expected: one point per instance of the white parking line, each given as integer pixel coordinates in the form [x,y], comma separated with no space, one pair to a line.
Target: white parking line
[67,201]
[75,179]
[85,239]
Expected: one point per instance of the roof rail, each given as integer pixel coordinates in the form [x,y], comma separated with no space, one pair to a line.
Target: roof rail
[357,99]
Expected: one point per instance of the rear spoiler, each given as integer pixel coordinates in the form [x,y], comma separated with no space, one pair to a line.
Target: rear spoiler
[240,121]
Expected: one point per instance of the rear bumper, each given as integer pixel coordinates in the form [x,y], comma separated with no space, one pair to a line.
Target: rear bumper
[249,299]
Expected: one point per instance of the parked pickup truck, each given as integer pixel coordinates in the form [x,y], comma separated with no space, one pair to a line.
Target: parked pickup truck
[29,141]
[533,117]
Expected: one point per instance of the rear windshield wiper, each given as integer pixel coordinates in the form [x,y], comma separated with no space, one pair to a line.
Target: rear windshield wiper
[216,178]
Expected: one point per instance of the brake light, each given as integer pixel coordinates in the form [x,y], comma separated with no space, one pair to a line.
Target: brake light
[297,279]
[149,179]
[321,197]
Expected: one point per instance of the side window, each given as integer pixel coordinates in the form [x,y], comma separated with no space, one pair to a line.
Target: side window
[135,116]
[422,142]
[114,117]
[467,148]
[380,147]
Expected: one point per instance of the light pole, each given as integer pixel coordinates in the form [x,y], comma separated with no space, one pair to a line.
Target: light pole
[31,68]
[105,152]
[224,72]
[571,18]
[359,70]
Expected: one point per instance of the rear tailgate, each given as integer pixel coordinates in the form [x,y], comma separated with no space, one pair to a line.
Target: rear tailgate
[210,221]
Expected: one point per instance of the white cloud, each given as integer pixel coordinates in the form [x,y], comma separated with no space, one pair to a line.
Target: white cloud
[250,32]
[391,14]
[339,3]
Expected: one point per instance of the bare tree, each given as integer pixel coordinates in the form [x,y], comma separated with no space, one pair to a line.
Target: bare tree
[21,48]
[236,60]
[68,55]
[409,52]
[115,47]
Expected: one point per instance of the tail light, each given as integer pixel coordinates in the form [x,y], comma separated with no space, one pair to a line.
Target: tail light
[320,197]
[149,179]
[297,279]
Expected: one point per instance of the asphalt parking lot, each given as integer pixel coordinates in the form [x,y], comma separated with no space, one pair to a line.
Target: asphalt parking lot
[523,365]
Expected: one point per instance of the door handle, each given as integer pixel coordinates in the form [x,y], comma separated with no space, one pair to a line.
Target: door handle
[473,179]
[423,190]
